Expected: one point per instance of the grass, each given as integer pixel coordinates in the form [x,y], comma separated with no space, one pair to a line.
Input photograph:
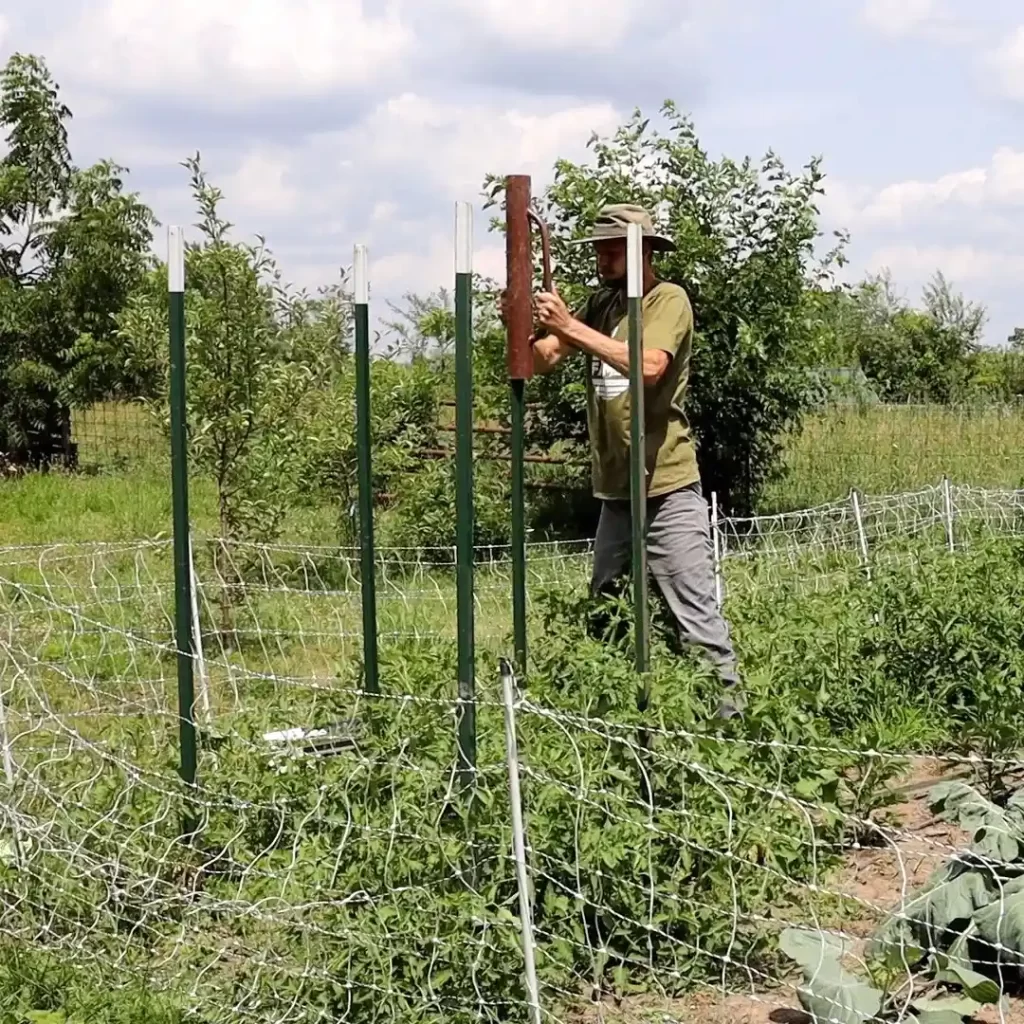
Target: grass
[92,709]
[882,450]
[124,491]
[89,670]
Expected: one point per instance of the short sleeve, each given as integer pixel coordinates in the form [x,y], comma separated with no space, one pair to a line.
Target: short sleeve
[668,321]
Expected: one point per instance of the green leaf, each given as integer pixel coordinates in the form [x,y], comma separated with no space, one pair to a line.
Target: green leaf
[945,1010]
[903,955]
[830,994]
[1001,925]
[996,836]
[810,948]
[936,916]
[976,985]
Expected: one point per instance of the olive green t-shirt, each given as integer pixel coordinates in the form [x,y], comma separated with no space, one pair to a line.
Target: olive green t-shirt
[671,457]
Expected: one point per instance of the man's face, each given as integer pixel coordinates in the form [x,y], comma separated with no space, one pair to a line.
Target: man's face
[611,259]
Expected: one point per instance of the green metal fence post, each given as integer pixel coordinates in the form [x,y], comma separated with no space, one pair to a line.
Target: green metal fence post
[638,445]
[179,485]
[367,559]
[464,488]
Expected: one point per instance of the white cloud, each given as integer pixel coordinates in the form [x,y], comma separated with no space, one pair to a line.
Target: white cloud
[384,211]
[363,177]
[456,145]
[430,263]
[597,25]
[899,17]
[961,263]
[5,27]
[463,143]
[998,184]
[1006,63]
[896,202]
[260,183]
[226,50]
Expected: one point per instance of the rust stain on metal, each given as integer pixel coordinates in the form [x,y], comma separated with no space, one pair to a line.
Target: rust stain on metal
[519,287]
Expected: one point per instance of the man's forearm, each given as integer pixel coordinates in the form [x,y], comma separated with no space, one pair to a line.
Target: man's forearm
[614,353]
[608,350]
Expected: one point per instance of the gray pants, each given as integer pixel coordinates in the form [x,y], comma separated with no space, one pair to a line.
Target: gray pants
[681,560]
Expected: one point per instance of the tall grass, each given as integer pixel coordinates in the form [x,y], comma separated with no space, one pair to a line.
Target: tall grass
[885,449]
[878,450]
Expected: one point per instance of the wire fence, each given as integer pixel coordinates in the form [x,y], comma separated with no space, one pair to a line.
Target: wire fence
[339,872]
[885,448]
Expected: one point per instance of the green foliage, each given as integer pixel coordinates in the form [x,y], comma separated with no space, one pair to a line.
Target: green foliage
[955,945]
[376,891]
[73,245]
[259,360]
[361,885]
[39,989]
[954,633]
[927,354]
[405,403]
[745,234]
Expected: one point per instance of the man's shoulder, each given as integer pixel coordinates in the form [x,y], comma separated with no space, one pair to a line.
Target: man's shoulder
[670,292]
[670,303]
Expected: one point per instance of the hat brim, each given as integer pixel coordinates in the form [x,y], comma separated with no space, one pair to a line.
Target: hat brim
[659,243]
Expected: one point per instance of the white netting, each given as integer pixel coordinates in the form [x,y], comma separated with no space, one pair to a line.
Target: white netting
[343,875]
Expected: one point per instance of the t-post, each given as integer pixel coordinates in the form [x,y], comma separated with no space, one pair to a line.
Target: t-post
[519,325]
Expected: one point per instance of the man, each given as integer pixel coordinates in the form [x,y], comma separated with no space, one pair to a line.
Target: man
[678,541]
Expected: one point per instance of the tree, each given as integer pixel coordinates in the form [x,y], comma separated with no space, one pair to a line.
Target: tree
[929,354]
[73,245]
[424,327]
[746,237]
[259,363]
[962,320]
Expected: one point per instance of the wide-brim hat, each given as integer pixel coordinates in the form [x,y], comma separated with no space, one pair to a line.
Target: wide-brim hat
[613,222]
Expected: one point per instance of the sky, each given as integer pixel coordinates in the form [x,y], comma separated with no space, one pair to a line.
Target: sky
[332,122]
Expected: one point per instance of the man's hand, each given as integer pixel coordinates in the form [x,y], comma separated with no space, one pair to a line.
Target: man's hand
[553,313]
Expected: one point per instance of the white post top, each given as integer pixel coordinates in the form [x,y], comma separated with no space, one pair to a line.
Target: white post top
[175,259]
[463,238]
[634,262]
[361,275]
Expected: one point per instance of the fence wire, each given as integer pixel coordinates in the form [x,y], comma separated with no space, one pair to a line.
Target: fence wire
[339,872]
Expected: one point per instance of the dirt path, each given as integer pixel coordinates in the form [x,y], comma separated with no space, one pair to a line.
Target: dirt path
[879,877]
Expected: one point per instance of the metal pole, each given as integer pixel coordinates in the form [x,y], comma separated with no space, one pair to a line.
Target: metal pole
[519,357]
[519,841]
[464,487]
[947,504]
[638,446]
[197,636]
[518,439]
[717,544]
[862,537]
[179,483]
[9,770]
[367,560]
